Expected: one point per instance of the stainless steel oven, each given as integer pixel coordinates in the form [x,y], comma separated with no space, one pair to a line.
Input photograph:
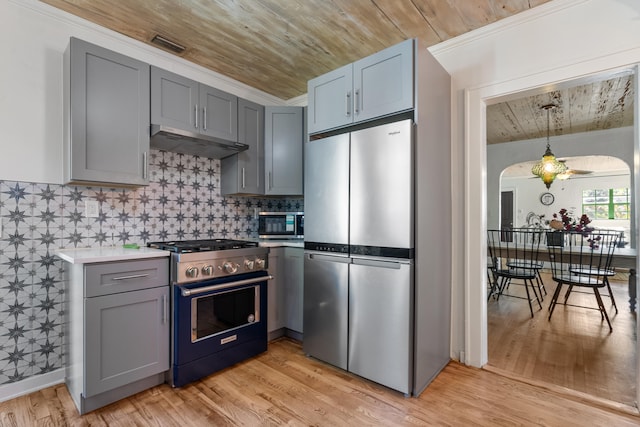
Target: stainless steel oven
[218,306]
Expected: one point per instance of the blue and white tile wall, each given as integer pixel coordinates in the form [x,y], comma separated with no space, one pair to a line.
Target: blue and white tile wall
[182,202]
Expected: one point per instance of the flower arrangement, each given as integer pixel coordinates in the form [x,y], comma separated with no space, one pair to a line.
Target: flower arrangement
[564,221]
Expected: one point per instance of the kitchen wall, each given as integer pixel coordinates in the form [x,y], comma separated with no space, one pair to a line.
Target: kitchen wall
[183,201]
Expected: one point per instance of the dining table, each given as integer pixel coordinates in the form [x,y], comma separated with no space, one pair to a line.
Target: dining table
[622,259]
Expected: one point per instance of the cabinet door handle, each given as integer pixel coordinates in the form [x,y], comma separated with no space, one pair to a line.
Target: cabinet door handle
[133,276]
[145,165]
[164,309]
[242,177]
[204,118]
[270,181]
[195,113]
[348,109]
[356,102]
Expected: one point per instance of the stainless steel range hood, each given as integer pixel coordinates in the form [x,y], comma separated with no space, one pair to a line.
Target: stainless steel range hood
[186,142]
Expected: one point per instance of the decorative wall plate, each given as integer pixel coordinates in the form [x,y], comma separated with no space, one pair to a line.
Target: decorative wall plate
[546,199]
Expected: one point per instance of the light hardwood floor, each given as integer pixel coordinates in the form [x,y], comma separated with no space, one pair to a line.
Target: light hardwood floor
[283,386]
[574,350]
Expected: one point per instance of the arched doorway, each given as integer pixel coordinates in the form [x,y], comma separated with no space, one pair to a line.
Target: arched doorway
[574,351]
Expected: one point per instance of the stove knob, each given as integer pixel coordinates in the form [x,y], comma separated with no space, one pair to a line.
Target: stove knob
[192,272]
[259,263]
[207,270]
[230,267]
[248,264]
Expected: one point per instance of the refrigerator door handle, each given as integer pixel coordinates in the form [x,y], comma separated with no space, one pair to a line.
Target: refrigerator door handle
[376,263]
[329,258]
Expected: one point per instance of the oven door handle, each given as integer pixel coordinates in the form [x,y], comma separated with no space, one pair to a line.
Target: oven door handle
[189,292]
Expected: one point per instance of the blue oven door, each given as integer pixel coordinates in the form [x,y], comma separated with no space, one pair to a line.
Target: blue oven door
[217,323]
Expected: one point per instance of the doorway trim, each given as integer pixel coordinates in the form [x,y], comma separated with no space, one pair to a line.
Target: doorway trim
[475,186]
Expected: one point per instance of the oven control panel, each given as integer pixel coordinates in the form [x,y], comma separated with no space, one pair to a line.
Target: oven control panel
[208,269]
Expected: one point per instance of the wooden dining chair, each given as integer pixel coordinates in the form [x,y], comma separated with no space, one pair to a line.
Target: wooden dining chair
[514,255]
[582,260]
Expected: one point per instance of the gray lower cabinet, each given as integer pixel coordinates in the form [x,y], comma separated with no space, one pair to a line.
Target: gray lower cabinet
[182,103]
[118,329]
[243,173]
[285,297]
[275,297]
[106,109]
[284,142]
[294,281]
[376,86]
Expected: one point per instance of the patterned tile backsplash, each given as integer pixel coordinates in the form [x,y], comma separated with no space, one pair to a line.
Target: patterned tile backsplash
[182,202]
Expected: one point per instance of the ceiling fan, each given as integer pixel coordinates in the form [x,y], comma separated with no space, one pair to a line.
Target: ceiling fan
[570,172]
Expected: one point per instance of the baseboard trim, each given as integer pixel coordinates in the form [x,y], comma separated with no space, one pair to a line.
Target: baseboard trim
[31,384]
[575,395]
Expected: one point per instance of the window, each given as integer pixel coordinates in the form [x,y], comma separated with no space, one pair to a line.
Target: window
[606,204]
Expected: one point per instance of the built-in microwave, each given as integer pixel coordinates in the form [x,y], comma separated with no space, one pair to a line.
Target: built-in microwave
[281,225]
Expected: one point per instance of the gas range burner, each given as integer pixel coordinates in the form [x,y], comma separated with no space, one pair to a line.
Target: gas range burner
[188,246]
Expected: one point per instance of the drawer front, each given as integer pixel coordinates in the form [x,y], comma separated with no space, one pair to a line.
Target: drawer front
[125,276]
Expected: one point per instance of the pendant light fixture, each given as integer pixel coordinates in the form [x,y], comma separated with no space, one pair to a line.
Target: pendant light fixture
[548,167]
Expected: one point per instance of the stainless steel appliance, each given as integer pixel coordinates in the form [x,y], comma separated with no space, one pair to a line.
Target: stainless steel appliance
[359,250]
[281,225]
[218,305]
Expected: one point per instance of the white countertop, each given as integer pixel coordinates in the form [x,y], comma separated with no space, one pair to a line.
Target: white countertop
[111,253]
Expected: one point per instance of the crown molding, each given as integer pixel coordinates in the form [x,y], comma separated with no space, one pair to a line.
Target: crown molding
[504,24]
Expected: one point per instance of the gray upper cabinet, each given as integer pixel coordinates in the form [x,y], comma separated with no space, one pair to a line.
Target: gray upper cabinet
[182,103]
[375,86]
[383,82]
[330,99]
[219,113]
[243,173]
[174,100]
[284,142]
[106,112]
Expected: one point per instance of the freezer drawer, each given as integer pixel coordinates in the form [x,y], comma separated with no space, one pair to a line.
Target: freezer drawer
[326,305]
[380,322]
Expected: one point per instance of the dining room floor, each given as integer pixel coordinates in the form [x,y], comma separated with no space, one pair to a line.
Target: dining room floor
[574,349]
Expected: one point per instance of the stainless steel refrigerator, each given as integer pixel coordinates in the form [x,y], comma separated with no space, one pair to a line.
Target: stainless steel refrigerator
[359,250]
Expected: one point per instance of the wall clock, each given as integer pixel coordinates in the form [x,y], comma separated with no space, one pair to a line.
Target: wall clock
[546,199]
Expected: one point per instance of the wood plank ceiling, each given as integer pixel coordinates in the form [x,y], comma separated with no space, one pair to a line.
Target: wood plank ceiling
[597,105]
[278,45]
